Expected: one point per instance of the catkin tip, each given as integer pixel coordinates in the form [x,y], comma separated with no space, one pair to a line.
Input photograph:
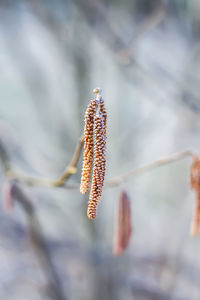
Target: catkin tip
[92,215]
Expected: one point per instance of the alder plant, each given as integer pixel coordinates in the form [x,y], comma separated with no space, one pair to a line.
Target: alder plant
[92,179]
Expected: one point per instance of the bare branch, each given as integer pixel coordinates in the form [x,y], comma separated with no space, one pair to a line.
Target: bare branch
[33,180]
[145,168]
[71,169]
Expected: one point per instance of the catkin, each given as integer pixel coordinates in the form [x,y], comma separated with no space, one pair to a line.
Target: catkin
[123,227]
[99,166]
[88,147]
[94,153]
[195,185]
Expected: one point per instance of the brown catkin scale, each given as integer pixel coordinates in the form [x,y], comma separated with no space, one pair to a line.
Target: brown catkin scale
[88,147]
[99,165]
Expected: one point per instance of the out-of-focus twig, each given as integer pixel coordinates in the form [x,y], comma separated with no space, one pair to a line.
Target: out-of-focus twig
[149,22]
[4,158]
[39,243]
[71,169]
[95,11]
[145,168]
[11,173]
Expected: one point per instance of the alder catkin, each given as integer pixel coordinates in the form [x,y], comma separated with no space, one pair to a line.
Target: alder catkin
[123,227]
[99,165]
[195,185]
[94,152]
[88,147]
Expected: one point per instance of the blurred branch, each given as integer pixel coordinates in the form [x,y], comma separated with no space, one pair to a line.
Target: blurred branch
[11,173]
[71,169]
[94,11]
[145,168]
[149,22]
[39,243]
[4,158]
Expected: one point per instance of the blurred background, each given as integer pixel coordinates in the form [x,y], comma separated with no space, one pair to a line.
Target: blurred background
[145,55]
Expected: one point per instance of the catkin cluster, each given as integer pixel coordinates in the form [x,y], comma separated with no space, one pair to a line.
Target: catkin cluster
[94,154]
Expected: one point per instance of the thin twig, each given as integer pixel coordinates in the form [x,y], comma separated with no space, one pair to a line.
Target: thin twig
[39,243]
[71,169]
[20,176]
[145,168]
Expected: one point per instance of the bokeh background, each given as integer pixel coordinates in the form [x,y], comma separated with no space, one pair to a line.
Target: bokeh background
[145,55]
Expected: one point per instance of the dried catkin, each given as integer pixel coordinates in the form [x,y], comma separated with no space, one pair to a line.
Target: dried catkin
[99,165]
[195,185]
[123,228]
[88,147]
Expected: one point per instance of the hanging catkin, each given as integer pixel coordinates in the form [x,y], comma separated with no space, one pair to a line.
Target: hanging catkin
[95,146]
[123,227]
[98,167]
[88,147]
[195,185]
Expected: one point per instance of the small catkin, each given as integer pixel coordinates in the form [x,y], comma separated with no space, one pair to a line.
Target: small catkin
[88,147]
[195,185]
[123,227]
[99,165]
